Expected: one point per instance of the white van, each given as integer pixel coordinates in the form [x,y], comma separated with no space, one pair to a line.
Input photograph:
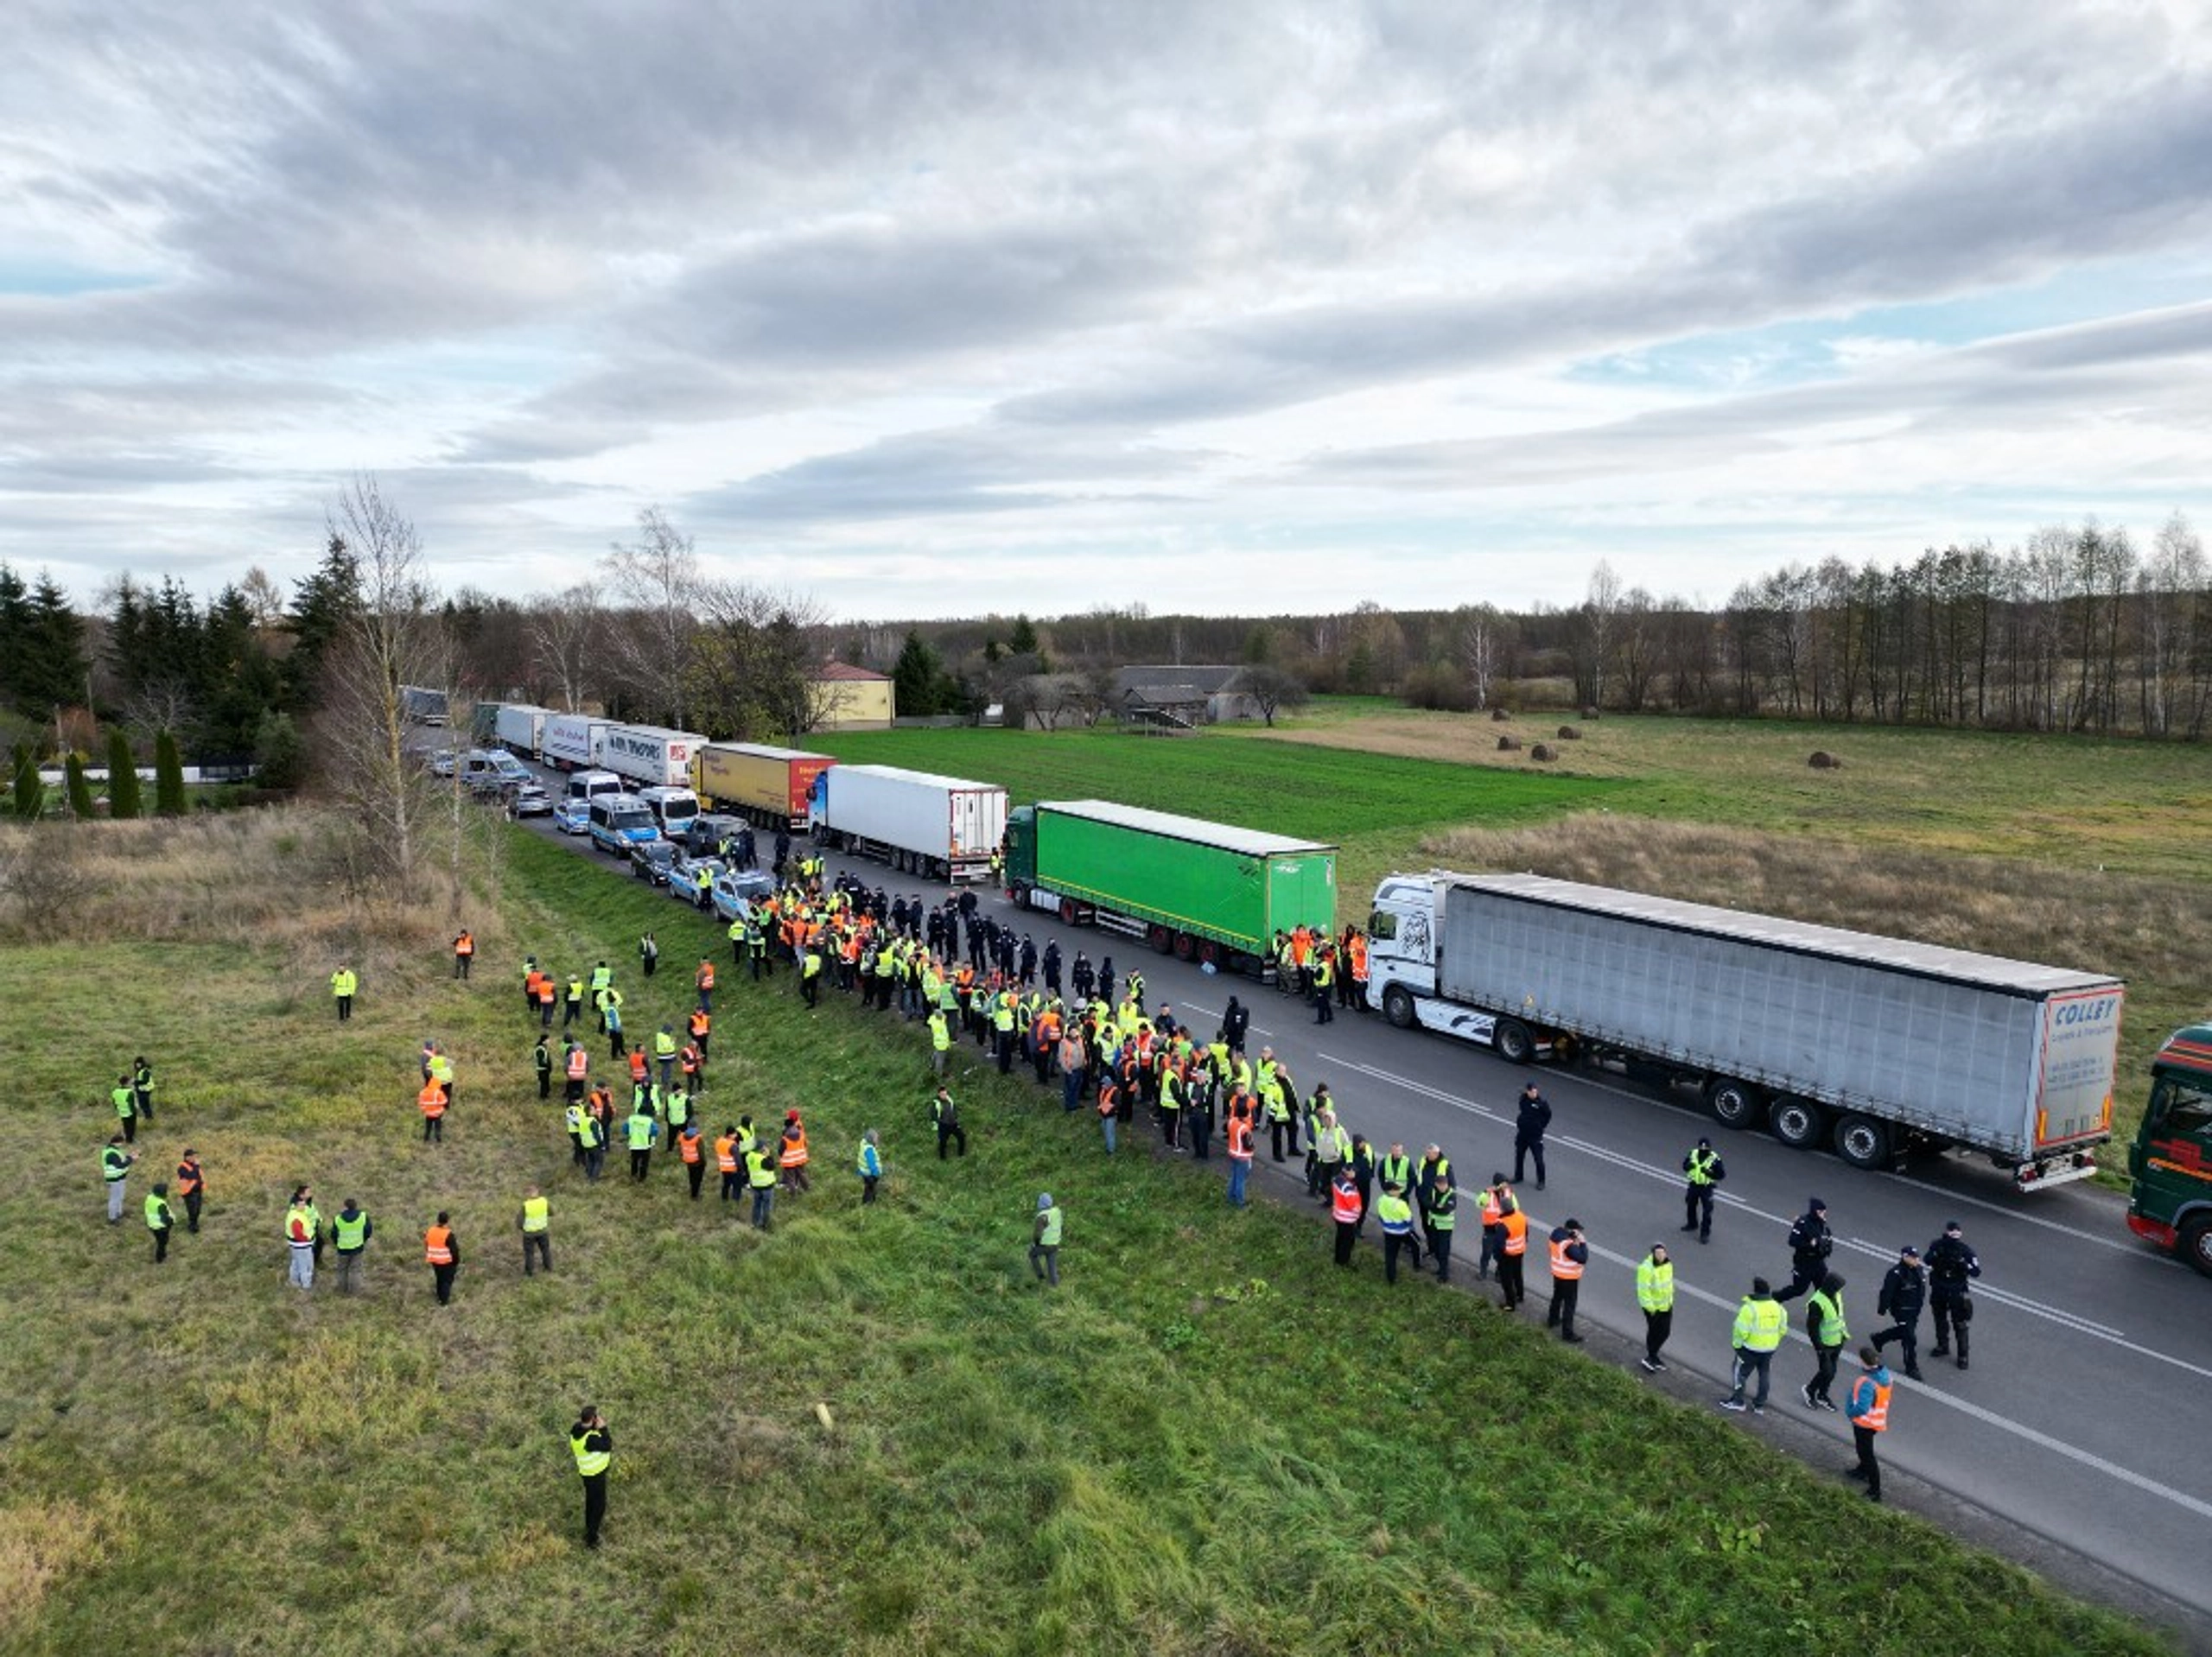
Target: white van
[672,807]
[586,785]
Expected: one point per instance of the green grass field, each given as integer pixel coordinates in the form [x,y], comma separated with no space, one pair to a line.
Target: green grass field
[1208,1441]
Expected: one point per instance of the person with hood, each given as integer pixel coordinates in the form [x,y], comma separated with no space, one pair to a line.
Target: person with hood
[1952,1266]
[1903,1292]
[1810,1243]
[1760,1326]
[1869,1413]
[1045,1244]
[1825,1328]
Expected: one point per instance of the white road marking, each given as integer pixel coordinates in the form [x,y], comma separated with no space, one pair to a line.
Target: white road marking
[2064,1320]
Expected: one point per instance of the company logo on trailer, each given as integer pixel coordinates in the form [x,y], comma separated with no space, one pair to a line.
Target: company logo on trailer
[2087,1011]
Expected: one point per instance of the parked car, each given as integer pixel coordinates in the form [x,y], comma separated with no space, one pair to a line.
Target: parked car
[441,762]
[650,862]
[528,800]
[573,816]
[706,831]
[739,889]
[684,872]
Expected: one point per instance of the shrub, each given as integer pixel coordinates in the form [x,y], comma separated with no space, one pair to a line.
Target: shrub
[125,800]
[31,793]
[168,777]
[79,786]
[280,753]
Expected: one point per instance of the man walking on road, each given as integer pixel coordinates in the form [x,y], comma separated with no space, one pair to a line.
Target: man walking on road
[1903,1292]
[1703,1171]
[594,1448]
[1824,1327]
[1760,1326]
[1810,1242]
[1869,1413]
[1654,1293]
[1952,1265]
[1570,1256]
[1533,1116]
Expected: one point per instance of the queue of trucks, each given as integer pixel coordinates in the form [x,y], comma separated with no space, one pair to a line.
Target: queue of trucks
[1874,1047]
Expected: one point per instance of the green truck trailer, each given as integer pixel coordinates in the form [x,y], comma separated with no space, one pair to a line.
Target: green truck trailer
[2171,1201]
[1202,891]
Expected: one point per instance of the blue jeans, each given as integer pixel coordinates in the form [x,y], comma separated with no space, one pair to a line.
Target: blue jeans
[763,1196]
[1071,1089]
[1238,1168]
[1107,1122]
[1747,1363]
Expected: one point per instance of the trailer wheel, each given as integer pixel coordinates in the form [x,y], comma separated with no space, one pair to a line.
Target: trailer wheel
[2197,1243]
[1160,938]
[1863,1142]
[1798,1123]
[1209,954]
[1185,946]
[1398,1007]
[1735,1104]
[1515,1045]
[1067,912]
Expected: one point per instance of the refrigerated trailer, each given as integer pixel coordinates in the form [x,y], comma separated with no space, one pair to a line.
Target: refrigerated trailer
[1874,1045]
[1202,890]
[942,827]
[572,741]
[519,728]
[769,786]
[651,756]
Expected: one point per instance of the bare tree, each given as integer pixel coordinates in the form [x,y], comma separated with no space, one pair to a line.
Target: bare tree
[755,663]
[656,580]
[1272,689]
[1479,644]
[564,634]
[265,599]
[392,641]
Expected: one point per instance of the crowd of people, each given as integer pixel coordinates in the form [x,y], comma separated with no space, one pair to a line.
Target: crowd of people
[1090,1034]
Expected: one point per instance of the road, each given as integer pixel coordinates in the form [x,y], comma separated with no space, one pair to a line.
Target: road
[2056,1441]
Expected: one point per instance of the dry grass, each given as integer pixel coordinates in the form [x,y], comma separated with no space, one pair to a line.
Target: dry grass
[43,1542]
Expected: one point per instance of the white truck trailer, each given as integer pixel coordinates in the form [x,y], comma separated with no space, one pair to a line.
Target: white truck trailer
[652,756]
[519,728]
[940,828]
[1877,1046]
[572,741]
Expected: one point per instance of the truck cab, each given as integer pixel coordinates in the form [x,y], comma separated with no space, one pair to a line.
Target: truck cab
[619,822]
[672,809]
[2170,1203]
[1403,938]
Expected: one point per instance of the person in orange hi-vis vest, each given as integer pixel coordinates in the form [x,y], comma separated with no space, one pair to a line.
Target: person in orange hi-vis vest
[432,1099]
[441,1249]
[464,951]
[1513,1251]
[792,1156]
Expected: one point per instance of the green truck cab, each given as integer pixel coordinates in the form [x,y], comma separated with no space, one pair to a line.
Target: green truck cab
[2171,1159]
[1204,891]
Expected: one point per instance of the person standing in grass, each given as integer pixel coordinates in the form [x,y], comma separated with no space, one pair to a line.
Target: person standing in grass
[691,1150]
[345,983]
[441,1251]
[871,1166]
[944,1116]
[115,1168]
[535,1222]
[1443,1216]
[1654,1293]
[432,1099]
[1240,1152]
[648,954]
[1045,1243]
[192,1186]
[464,952]
[640,1129]
[542,1057]
[351,1232]
[1570,1258]
[761,1176]
[726,1153]
[1345,1207]
[1395,1216]
[125,1101]
[141,1086]
[792,1156]
[1869,1413]
[159,1220]
[299,1230]
[593,1445]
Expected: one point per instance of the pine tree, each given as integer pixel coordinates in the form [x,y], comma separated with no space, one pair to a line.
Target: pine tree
[323,605]
[31,793]
[125,800]
[917,678]
[15,643]
[79,786]
[280,753]
[53,674]
[168,777]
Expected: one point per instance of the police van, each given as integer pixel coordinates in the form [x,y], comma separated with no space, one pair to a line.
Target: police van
[619,822]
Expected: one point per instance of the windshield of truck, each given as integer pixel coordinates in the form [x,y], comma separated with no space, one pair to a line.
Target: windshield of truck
[629,818]
[2181,1109]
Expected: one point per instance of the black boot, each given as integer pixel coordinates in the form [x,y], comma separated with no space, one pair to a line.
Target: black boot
[1962,1348]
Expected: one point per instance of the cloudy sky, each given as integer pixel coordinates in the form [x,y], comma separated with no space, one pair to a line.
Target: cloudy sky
[936,308]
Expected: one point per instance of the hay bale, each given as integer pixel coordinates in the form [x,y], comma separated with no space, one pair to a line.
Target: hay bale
[1823,760]
[1498,715]
[1543,751]
[1509,745]
[1568,734]
[1589,714]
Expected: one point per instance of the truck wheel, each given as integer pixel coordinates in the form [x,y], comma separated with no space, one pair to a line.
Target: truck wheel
[1735,1104]
[1398,1007]
[2196,1243]
[1160,938]
[1209,954]
[1863,1142]
[1067,912]
[1515,1045]
[1798,1123]
[1018,895]
[1185,946]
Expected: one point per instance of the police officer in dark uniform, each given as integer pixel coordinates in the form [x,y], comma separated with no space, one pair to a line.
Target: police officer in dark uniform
[1952,1265]
[1810,1241]
[1904,1291]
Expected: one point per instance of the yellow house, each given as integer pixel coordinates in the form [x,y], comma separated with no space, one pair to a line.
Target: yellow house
[853,699]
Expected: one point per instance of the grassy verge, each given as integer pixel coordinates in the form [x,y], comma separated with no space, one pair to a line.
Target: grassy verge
[1208,1440]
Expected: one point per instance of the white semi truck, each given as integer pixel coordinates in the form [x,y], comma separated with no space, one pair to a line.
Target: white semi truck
[940,828]
[652,756]
[1875,1045]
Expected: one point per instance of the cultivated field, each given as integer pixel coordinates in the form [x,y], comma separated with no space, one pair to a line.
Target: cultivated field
[1207,1441]
[2086,853]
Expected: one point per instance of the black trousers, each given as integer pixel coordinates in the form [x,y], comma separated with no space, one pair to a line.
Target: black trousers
[1804,1278]
[1493,1250]
[443,1277]
[539,1242]
[345,1008]
[1906,1333]
[545,1084]
[1657,1326]
[1393,1243]
[868,1187]
[1511,1279]
[1697,1209]
[161,1243]
[1275,1126]
[433,1128]
[1439,1245]
[1565,1292]
[1825,1359]
[460,966]
[639,1161]
[1347,1234]
[695,1172]
[595,1506]
[948,1133]
[192,1200]
[730,1186]
[1525,1151]
[1869,1469]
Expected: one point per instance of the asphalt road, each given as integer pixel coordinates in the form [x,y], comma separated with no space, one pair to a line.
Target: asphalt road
[2055,1448]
